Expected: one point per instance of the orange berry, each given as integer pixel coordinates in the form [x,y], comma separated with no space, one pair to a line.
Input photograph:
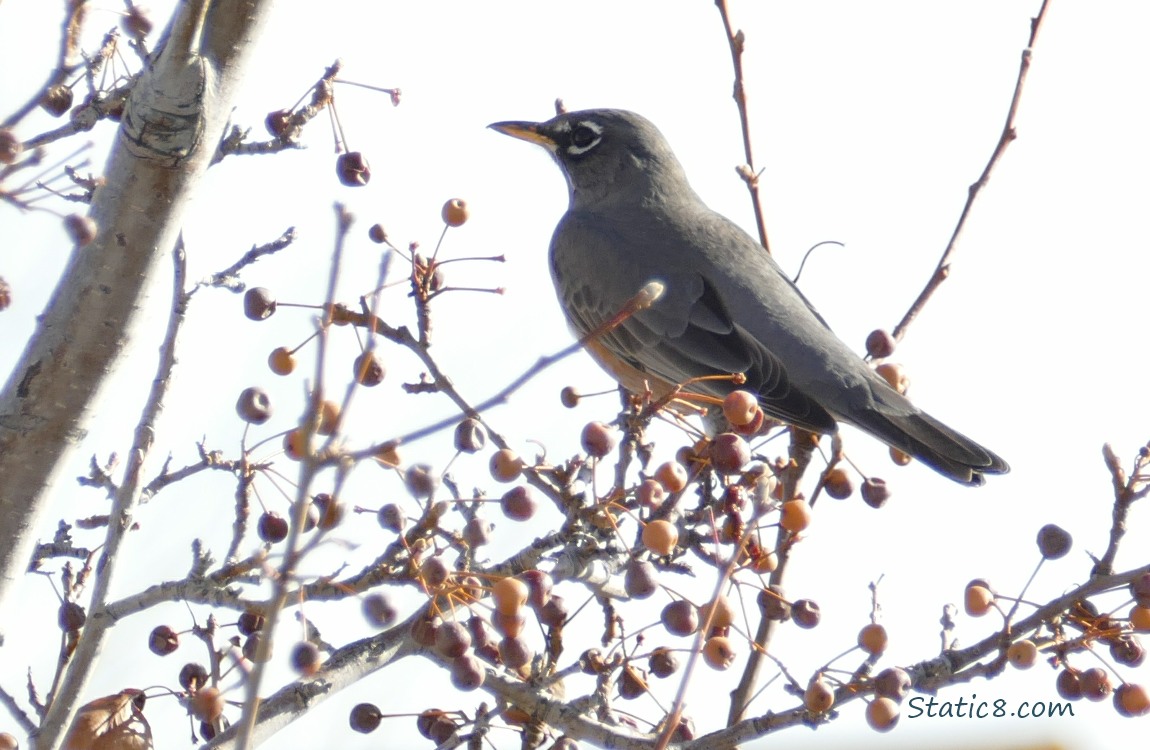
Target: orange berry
[719,652]
[510,594]
[882,714]
[872,639]
[455,212]
[1022,654]
[895,376]
[740,408]
[672,476]
[898,457]
[796,516]
[660,536]
[818,697]
[328,417]
[838,483]
[1131,700]
[295,444]
[506,466]
[724,615]
[206,704]
[978,598]
[281,361]
[1140,618]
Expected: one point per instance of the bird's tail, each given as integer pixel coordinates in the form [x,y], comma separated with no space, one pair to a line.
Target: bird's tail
[947,451]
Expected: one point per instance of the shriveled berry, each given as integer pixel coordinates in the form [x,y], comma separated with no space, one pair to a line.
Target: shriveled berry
[569,397]
[206,704]
[639,579]
[377,234]
[539,585]
[259,304]
[365,718]
[452,639]
[660,536]
[672,476]
[879,344]
[278,123]
[773,602]
[631,683]
[455,212]
[518,503]
[515,652]
[680,617]
[1022,654]
[163,640]
[719,652]
[729,453]
[477,532]
[368,369]
[663,662]
[882,714]
[379,611]
[893,683]
[470,436]
[391,517]
[424,629]
[281,361]
[554,613]
[875,492]
[1054,541]
[1127,650]
[509,624]
[193,676]
[254,405]
[505,465]
[434,571]
[421,480]
[806,613]
[71,616]
[873,639]
[352,169]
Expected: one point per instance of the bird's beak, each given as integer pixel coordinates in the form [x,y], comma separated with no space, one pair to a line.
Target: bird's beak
[526,131]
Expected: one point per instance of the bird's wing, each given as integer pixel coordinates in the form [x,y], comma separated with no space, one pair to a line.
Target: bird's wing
[687,334]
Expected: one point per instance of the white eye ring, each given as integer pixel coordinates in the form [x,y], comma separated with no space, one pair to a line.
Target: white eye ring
[596,129]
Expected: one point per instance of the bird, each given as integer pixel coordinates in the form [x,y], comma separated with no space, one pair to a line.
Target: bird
[727,307]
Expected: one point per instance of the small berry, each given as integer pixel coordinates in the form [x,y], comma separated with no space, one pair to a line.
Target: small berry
[882,714]
[899,458]
[773,602]
[672,476]
[879,344]
[599,439]
[1022,654]
[206,704]
[875,492]
[421,481]
[509,624]
[1069,684]
[467,673]
[8,742]
[1095,684]
[391,517]
[650,494]
[452,639]
[435,725]
[368,369]
[795,516]
[254,406]
[569,397]
[1140,590]
[893,683]
[505,466]
[1140,618]
[82,229]
[510,594]
[719,652]
[378,610]
[818,697]
[895,376]
[740,408]
[515,652]
[729,453]
[631,683]
[680,617]
[328,418]
[252,646]
[455,212]
[540,584]
[660,537]
[837,483]
[434,572]
[806,613]
[477,532]
[352,169]
[1131,700]
[56,100]
[1054,541]
[663,662]
[518,503]
[281,361]
[250,622]
[71,616]
[554,613]
[193,676]
[978,599]
[10,147]
[330,511]
[1127,650]
[724,613]
[377,234]
[470,436]
[305,658]
[365,718]
[873,639]
[639,579]
[259,304]
[163,640]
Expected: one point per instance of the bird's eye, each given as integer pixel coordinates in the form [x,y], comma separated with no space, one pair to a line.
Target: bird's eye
[584,137]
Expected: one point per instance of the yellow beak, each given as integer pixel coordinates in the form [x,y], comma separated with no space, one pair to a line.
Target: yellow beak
[525,131]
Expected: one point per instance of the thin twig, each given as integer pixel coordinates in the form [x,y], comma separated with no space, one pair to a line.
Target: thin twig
[942,270]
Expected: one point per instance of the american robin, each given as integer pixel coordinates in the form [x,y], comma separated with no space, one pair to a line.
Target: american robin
[727,307]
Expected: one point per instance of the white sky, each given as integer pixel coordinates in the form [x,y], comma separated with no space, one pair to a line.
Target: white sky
[870,120]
